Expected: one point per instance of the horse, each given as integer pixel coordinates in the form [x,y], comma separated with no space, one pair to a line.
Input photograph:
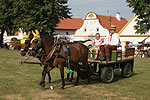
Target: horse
[79,53]
[25,44]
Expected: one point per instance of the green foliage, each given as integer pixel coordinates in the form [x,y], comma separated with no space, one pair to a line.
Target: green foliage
[29,15]
[142,9]
[43,15]
[7,16]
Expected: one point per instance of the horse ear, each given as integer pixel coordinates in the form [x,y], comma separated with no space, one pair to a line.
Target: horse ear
[37,33]
[33,33]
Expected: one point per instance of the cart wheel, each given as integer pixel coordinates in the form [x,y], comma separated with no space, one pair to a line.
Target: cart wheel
[107,74]
[93,66]
[126,70]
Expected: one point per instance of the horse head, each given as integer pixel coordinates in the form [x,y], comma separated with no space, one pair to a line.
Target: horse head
[35,43]
[25,43]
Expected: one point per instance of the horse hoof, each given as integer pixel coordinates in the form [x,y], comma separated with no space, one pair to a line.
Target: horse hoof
[75,84]
[49,82]
[70,80]
[43,88]
[62,88]
[42,85]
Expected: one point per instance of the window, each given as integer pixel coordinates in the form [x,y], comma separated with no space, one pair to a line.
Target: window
[85,30]
[97,29]
[67,33]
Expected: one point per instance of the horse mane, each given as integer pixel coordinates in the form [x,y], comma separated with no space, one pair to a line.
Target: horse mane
[47,37]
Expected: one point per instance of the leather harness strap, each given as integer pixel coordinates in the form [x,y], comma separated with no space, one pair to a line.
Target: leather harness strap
[55,53]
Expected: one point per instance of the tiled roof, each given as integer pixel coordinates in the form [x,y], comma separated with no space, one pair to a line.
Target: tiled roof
[105,22]
[76,23]
[73,23]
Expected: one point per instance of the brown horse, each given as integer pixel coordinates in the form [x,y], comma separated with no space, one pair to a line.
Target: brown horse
[79,53]
[25,47]
[25,44]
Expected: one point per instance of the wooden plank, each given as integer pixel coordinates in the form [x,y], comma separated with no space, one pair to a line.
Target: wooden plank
[101,62]
[110,62]
[127,59]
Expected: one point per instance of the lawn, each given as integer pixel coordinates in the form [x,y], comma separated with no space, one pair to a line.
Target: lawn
[20,82]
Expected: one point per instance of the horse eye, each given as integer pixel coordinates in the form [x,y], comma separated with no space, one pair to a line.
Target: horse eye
[26,41]
[35,41]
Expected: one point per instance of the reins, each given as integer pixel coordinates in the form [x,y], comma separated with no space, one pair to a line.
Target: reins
[51,54]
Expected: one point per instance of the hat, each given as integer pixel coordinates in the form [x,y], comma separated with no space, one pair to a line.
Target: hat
[113,27]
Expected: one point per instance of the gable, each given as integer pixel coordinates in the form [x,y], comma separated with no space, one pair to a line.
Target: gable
[129,29]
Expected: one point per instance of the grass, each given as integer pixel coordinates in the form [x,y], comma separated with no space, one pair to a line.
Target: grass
[20,82]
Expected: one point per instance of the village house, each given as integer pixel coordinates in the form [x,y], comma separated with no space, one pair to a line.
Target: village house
[83,29]
[94,23]
[128,33]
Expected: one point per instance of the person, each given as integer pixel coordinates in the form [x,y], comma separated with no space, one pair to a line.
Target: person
[110,43]
[67,37]
[96,45]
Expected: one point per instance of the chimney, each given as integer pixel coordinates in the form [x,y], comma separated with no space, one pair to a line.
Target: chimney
[118,16]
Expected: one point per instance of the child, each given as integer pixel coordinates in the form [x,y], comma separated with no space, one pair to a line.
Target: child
[96,45]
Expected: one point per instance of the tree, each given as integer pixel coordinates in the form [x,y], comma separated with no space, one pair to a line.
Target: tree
[29,15]
[142,9]
[6,18]
[42,15]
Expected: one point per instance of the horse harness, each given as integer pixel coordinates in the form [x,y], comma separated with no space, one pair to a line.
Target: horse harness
[55,53]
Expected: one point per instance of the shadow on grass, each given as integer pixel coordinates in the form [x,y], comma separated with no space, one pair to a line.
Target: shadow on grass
[118,76]
[94,80]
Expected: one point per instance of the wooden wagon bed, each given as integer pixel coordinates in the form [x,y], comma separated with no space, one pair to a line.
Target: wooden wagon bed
[110,62]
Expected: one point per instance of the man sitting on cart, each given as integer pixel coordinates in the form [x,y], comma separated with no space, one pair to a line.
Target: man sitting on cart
[96,46]
[110,43]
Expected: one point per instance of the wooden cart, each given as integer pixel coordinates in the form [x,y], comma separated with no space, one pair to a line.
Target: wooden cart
[118,61]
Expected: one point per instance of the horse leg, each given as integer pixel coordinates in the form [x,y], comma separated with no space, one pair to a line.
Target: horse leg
[62,75]
[68,76]
[49,77]
[86,66]
[77,80]
[77,69]
[71,77]
[42,83]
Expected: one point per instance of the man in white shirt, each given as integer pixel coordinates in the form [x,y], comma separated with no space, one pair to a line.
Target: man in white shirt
[110,43]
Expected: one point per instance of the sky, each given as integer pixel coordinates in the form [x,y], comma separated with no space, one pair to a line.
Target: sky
[80,8]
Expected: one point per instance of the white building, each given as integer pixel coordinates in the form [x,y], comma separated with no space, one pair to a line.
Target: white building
[68,26]
[128,33]
[94,23]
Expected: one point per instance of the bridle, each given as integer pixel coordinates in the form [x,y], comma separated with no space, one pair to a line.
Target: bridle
[38,45]
[27,42]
